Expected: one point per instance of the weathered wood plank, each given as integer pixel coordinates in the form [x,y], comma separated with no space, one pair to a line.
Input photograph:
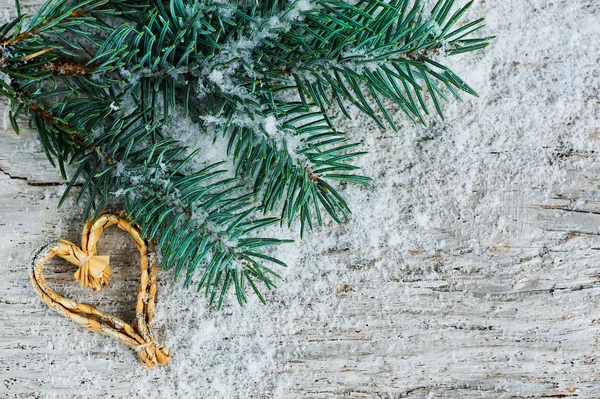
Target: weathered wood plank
[471,269]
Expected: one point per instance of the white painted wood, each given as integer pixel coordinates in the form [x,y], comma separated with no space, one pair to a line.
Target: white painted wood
[518,320]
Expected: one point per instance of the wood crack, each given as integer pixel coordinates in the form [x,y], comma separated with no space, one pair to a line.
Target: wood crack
[560,208]
[11,176]
[34,183]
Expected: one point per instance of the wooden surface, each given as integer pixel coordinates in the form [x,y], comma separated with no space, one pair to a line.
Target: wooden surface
[518,320]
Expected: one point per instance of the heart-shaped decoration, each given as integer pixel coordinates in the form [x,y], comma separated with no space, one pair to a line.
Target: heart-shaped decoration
[94,271]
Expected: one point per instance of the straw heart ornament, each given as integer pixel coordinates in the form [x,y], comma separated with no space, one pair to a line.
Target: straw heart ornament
[94,272]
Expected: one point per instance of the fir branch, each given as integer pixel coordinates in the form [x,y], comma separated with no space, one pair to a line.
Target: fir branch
[263,74]
[219,243]
[374,49]
[35,30]
[278,176]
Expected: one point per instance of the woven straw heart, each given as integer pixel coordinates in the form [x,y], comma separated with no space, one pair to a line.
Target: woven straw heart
[93,271]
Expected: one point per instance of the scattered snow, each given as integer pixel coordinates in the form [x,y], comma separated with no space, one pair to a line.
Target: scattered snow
[270,125]
[5,78]
[216,76]
[452,188]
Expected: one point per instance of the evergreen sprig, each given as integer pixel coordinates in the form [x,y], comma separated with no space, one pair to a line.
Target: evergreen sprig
[100,80]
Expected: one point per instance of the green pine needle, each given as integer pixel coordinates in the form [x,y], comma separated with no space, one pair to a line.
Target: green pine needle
[100,80]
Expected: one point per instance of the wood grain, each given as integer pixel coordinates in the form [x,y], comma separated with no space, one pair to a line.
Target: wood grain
[520,320]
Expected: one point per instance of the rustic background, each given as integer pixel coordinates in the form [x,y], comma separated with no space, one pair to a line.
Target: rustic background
[470,269]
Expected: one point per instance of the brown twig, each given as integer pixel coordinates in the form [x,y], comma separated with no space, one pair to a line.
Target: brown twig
[32,56]
[34,31]
[26,35]
[418,56]
[65,129]
[66,68]
[312,176]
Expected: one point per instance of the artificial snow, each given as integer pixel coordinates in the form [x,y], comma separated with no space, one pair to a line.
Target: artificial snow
[449,188]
